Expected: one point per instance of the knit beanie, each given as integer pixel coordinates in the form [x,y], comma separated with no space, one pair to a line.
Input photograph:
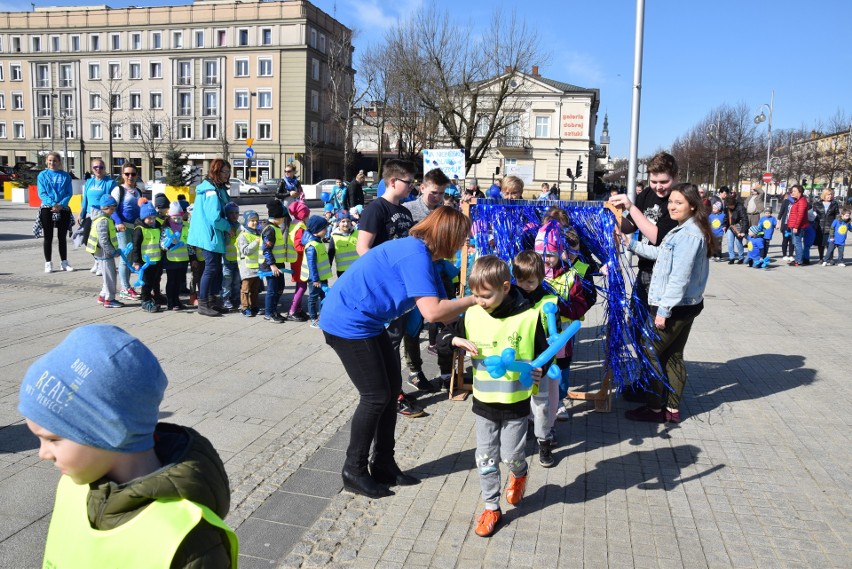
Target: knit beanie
[231,207]
[99,387]
[147,210]
[343,214]
[299,210]
[249,215]
[175,209]
[107,201]
[316,224]
[161,201]
[274,209]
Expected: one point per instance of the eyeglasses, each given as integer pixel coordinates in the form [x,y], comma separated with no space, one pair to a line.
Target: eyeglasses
[97,167]
[406,182]
[129,173]
[288,171]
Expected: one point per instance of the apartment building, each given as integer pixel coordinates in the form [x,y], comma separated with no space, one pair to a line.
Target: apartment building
[124,84]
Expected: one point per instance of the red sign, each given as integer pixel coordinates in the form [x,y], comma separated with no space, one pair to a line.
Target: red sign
[767,178]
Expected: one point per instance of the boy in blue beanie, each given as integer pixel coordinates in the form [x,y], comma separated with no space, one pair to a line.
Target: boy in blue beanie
[103,245]
[250,257]
[146,242]
[316,268]
[95,414]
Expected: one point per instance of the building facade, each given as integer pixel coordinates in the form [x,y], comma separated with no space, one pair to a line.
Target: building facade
[124,84]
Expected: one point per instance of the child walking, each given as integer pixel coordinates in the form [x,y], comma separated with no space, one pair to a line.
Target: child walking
[300,213]
[250,257]
[501,318]
[839,228]
[133,492]
[756,245]
[316,270]
[175,256]
[103,245]
[230,266]
[767,224]
[274,249]
[146,242]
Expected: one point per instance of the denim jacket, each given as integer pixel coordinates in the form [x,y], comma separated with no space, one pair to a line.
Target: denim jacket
[680,270]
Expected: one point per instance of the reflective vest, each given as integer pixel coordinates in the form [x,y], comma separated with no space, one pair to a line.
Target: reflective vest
[92,245]
[344,250]
[492,336]
[323,266]
[253,260]
[231,248]
[281,247]
[150,243]
[180,253]
[292,254]
[149,540]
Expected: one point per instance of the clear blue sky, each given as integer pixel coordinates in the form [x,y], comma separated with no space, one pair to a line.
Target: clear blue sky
[697,55]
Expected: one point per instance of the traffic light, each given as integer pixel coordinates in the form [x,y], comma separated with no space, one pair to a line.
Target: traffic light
[569,173]
[578,171]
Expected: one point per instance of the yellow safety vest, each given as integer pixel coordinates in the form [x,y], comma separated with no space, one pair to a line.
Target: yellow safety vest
[344,250]
[492,336]
[150,243]
[292,254]
[92,245]
[148,541]
[231,248]
[323,266]
[280,249]
[180,253]
[253,260]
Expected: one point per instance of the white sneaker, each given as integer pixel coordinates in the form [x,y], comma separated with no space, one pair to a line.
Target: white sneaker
[824,264]
[841,264]
[563,414]
[67,267]
[48,267]
[94,269]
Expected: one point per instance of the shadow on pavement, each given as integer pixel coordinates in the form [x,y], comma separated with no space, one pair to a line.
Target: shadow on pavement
[17,438]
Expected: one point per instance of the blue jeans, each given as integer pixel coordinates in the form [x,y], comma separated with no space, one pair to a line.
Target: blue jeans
[124,237]
[211,278]
[315,297]
[274,288]
[798,244]
[231,282]
[734,241]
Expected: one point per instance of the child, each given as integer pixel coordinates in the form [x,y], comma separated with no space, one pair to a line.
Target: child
[162,205]
[767,224]
[196,264]
[230,267]
[176,256]
[344,238]
[316,270]
[502,318]
[300,213]
[274,248]
[839,229]
[103,245]
[146,241]
[250,257]
[355,214]
[718,223]
[131,489]
[755,247]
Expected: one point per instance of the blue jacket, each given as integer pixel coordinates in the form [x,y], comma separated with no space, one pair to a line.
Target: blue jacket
[92,192]
[311,254]
[54,187]
[681,268]
[209,224]
[755,251]
[127,211]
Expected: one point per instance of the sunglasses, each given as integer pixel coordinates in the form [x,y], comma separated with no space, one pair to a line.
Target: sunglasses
[129,173]
[97,167]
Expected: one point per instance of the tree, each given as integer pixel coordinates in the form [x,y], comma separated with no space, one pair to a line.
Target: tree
[175,165]
[341,96]
[376,77]
[152,137]
[111,96]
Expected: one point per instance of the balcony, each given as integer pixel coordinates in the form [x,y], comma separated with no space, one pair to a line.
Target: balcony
[211,112]
[211,81]
[184,81]
[44,112]
[43,83]
[184,112]
[66,82]
[512,142]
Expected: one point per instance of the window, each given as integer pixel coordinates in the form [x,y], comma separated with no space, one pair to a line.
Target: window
[240,130]
[44,106]
[542,127]
[54,44]
[115,101]
[42,75]
[2,101]
[114,71]
[115,42]
[70,130]
[185,131]
[314,101]
[136,100]
[17,101]
[96,131]
[66,104]
[242,37]
[221,38]
[3,129]
[156,70]
[198,38]
[481,126]
[136,40]
[156,40]
[184,73]
[177,40]
[211,103]
[264,130]
[15,72]
[115,131]
[241,100]
[16,44]
[36,44]
[156,100]
[264,99]
[315,70]
[94,42]
[241,68]
[95,71]
[314,131]
[266,36]
[211,72]
[135,70]
[322,43]
[156,130]
[94,101]
[313,39]
[184,104]
[264,67]
[19,129]
[66,77]
[75,43]
[211,131]
[1,71]
[135,130]
[44,130]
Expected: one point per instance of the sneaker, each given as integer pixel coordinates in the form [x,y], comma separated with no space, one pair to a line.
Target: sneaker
[739,261]
[178,307]
[824,263]
[418,381]
[545,453]
[66,267]
[113,304]
[99,273]
[432,349]
[94,268]
[841,264]
[646,415]
[444,382]
[298,317]
[515,488]
[563,413]
[732,261]
[228,305]
[48,267]
[672,416]
[131,292]
[100,299]
[124,294]
[315,323]
[150,306]
[274,318]
[193,299]
[248,313]
[487,523]
[405,408]
[751,262]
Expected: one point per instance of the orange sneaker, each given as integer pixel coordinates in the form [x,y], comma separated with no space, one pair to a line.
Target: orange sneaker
[515,488]
[487,521]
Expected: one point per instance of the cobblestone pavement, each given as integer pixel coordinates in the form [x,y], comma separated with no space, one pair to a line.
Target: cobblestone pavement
[757,475]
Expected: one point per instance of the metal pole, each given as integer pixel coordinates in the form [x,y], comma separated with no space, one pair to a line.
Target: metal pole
[637,96]
[769,143]
[716,153]
[65,140]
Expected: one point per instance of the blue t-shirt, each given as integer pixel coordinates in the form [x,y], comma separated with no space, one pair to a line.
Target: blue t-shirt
[717,223]
[755,248]
[378,288]
[767,223]
[839,229]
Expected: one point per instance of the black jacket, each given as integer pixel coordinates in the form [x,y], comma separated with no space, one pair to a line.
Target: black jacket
[824,218]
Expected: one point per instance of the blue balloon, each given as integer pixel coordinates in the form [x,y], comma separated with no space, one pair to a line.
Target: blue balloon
[325,196]
[380,189]
[494,191]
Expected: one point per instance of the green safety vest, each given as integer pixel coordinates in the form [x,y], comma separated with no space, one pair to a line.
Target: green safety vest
[148,541]
[231,248]
[180,253]
[280,250]
[150,243]
[323,266]
[492,336]
[92,245]
[253,261]
[344,250]
[292,254]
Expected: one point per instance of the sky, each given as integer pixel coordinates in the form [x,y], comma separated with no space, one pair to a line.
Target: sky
[698,54]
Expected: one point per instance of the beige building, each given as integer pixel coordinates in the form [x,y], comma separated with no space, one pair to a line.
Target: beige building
[207,76]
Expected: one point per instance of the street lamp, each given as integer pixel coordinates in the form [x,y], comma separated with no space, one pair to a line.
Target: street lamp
[759,119]
[248,136]
[713,132]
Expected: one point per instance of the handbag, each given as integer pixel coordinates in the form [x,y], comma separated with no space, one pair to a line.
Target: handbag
[37,226]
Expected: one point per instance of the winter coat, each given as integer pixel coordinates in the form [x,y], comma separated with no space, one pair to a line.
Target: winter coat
[825,217]
[798,214]
[209,222]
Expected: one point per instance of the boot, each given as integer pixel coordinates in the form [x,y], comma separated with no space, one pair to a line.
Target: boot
[217,305]
[545,453]
[205,308]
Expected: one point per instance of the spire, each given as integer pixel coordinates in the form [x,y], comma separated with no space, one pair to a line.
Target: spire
[605,131]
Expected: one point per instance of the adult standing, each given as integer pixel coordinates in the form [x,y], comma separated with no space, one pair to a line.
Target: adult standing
[826,210]
[754,205]
[737,229]
[676,297]
[208,232]
[339,198]
[55,191]
[472,191]
[125,217]
[96,186]
[797,223]
[787,251]
[356,189]
[385,283]
[290,188]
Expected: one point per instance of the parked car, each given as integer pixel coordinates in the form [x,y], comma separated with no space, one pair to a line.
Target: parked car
[12,173]
[370,193]
[314,191]
[250,188]
[271,184]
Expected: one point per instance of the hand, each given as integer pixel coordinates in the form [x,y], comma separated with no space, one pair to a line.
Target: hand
[621,200]
[535,374]
[136,266]
[317,284]
[120,227]
[465,344]
[660,322]
[605,269]
[276,272]
[795,231]
[55,208]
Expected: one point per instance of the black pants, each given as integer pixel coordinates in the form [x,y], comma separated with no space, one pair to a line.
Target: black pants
[61,226]
[175,281]
[374,368]
[786,243]
[151,276]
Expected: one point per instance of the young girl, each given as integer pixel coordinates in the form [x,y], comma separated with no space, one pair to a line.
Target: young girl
[176,255]
[344,238]
[230,267]
[250,256]
[196,264]
[718,222]
[295,251]
[839,229]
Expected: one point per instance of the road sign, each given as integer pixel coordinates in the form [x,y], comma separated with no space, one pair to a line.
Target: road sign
[249,142]
[249,152]
[767,178]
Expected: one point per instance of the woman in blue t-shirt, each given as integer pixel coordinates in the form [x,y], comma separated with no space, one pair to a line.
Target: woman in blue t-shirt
[379,287]
[54,191]
[100,184]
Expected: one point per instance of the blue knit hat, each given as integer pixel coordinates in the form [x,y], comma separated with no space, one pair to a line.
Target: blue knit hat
[99,387]
[249,215]
[231,207]
[147,210]
[107,201]
[316,223]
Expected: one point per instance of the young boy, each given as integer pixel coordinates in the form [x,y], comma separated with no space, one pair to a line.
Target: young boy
[755,247]
[133,492]
[274,250]
[839,229]
[502,318]
[162,204]
[146,241]
[176,257]
[767,224]
[718,222]
[344,238]
[250,257]
[230,266]
[103,245]
[316,270]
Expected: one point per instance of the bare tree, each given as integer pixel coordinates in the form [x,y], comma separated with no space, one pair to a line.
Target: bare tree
[832,148]
[375,82]
[112,98]
[152,136]
[340,94]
